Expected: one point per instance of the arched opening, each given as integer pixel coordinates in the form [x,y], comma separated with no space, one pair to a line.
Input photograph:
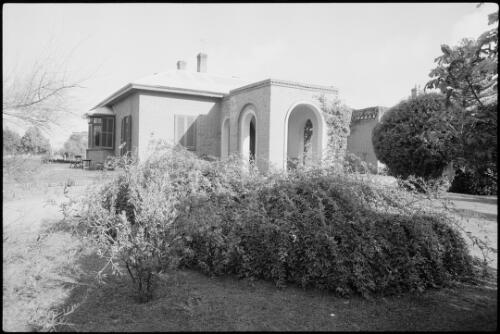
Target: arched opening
[252,140]
[304,137]
[248,134]
[225,135]
[308,132]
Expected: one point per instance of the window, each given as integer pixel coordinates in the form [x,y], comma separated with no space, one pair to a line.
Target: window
[101,132]
[308,132]
[126,135]
[185,131]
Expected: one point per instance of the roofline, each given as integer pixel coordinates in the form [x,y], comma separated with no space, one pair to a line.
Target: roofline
[283,83]
[164,89]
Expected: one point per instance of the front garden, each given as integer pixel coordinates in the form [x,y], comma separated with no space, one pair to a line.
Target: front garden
[218,242]
[310,228]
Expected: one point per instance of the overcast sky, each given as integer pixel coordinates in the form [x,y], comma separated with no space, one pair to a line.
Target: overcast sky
[373,53]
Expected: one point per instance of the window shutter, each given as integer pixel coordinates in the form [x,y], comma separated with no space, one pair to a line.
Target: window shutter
[90,144]
[122,131]
[179,129]
[129,134]
[191,132]
[185,131]
[122,136]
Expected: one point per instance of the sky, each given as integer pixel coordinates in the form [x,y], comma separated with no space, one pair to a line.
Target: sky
[373,53]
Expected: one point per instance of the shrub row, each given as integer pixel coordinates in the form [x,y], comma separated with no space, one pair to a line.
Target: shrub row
[311,227]
[315,232]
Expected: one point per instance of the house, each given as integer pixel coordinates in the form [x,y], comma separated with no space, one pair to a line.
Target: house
[271,121]
[359,142]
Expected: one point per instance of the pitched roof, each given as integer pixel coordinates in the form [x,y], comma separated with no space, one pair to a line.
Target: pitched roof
[192,80]
[180,81]
[199,84]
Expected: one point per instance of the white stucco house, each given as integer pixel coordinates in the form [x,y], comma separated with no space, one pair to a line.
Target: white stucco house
[272,121]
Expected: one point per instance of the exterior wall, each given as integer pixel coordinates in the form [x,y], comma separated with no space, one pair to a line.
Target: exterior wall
[282,99]
[359,141]
[126,107]
[234,105]
[157,114]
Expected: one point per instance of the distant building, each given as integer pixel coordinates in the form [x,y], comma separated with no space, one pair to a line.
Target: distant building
[359,141]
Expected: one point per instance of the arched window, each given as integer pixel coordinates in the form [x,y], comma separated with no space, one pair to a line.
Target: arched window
[248,127]
[308,132]
[252,139]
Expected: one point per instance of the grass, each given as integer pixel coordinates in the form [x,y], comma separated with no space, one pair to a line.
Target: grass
[49,284]
[190,301]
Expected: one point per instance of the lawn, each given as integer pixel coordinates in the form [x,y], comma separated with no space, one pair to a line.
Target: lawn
[49,282]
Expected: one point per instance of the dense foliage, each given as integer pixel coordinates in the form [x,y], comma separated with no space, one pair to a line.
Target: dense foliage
[313,228]
[11,141]
[413,137]
[76,144]
[34,141]
[467,74]
[337,118]
[354,164]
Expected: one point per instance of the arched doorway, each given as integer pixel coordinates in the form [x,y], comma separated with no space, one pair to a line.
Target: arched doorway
[305,136]
[248,134]
[225,135]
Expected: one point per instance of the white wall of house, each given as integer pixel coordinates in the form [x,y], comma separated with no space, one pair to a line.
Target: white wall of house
[128,106]
[157,120]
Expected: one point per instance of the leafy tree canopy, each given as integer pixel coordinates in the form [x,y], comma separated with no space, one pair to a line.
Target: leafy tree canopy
[468,73]
[11,141]
[76,143]
[34,141]
[410,142]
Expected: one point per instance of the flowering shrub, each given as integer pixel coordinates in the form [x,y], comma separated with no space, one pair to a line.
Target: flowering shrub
[311,227]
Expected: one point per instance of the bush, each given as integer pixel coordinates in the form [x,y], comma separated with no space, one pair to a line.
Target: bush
[474,182]
[354,164]
[413,138]
[323,232]
[308,227]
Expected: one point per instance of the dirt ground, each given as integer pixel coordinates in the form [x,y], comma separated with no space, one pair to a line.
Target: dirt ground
[45,267]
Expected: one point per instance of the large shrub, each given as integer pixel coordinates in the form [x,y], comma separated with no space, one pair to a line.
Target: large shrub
[414,138]
[309,227]
[324,231]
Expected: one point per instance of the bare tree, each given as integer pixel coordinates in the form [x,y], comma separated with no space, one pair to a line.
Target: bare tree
[37,95]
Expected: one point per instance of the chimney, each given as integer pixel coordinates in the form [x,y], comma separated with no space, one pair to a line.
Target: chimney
[202,62]
[181,65]
[414,92]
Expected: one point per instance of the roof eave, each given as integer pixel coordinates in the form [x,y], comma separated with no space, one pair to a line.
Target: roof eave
[130,87]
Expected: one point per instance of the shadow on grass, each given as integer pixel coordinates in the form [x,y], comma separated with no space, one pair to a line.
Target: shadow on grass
[187,300]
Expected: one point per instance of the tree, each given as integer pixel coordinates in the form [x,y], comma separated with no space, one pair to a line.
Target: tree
[413,137]
[76,143]
[36,97]
[468,73]
[11,141]
[33,141]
